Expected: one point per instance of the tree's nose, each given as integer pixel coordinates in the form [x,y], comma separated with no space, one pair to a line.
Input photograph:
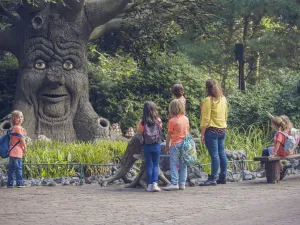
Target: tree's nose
[54,77]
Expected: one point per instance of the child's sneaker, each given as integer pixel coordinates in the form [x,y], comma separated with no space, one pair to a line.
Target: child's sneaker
[181,186]
[155,187]
[171,187]
[10,186]
[149,188]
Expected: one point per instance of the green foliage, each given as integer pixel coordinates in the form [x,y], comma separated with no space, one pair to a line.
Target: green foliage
[8,81]
[123,100]
[102,152]
[252,106]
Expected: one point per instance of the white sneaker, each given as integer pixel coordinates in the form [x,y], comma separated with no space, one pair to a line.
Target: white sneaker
[181,186]
[155,187]
[171,187]
[149,188]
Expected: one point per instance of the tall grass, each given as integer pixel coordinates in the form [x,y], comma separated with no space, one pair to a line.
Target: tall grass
[102,152]
[252,140]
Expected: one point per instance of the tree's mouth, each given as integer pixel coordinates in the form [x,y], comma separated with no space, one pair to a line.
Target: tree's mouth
[54,95]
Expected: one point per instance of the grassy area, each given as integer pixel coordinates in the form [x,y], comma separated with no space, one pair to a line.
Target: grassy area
[251,140]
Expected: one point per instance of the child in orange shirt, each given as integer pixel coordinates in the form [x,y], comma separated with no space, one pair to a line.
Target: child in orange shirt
[17,148]
[178,128]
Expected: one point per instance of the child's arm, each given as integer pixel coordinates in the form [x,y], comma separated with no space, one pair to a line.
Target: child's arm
[23,143]
[276,147]
[168,138]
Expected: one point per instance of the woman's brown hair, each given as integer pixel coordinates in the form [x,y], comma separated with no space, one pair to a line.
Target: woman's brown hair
[177,90]
[213,88]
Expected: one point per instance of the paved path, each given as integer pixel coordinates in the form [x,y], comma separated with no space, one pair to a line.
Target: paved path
[246,203]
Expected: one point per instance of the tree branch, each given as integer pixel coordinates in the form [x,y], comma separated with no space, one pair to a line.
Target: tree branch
[111,26]
[15,18]
[99,12]
[131,7]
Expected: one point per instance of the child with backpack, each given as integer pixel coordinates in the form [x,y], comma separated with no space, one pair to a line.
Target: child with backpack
[150,127]
[281,126]
[284,128]
[17,149]
[178,128]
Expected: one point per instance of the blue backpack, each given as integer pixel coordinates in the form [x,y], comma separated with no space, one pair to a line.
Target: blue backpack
[187,153]
[4,143]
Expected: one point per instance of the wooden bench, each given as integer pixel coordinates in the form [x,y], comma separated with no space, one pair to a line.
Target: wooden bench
[272,166]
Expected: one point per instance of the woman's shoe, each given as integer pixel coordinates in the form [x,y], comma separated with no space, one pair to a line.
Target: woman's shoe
[221,179]
[210,181]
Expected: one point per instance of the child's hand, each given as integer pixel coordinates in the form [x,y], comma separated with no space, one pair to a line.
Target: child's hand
[270,116]
[167,149]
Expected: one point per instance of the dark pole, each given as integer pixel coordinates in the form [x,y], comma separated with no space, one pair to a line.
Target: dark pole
[239,56]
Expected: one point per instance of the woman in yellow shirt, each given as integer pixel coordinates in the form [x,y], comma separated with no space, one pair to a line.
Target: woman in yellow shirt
[214,112]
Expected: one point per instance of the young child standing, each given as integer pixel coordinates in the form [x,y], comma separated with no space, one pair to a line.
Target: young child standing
[18,148]
[150,127]
[178,128]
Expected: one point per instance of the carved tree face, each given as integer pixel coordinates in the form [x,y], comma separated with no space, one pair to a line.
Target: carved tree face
[54,77]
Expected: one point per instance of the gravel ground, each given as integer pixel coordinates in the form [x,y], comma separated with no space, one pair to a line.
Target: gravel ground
[245,203]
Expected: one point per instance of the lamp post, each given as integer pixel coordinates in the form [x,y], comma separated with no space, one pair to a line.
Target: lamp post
[239,56]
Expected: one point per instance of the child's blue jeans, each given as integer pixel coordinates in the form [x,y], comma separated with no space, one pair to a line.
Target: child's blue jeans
[152,155]
[174,161]
[15,166]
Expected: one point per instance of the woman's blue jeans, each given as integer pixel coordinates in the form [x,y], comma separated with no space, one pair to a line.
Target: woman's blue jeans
[15,166]
[152,156]
[215,144]
[174,161]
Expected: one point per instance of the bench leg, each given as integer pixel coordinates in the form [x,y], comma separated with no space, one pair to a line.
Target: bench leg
[272,171]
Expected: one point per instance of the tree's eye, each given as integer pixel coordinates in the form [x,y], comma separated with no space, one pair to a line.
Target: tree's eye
[40,64]
[68,65]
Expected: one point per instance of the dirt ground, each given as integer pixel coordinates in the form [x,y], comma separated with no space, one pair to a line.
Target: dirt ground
[244,203]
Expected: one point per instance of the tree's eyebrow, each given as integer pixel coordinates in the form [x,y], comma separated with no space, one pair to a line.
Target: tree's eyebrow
[69,48]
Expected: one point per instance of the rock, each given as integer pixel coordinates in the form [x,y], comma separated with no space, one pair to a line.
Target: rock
[235,154]
[167,174]
[247,175]
[52,183]
[42,137]
[196,181]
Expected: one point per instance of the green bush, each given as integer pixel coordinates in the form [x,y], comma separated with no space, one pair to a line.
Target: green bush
[102,152]
[122,101]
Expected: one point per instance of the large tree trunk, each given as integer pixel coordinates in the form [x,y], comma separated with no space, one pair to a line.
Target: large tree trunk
[50,42]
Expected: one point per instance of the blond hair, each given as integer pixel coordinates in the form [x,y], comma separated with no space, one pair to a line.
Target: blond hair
[14,115]
[279,122]
[176,107]
[288,122]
